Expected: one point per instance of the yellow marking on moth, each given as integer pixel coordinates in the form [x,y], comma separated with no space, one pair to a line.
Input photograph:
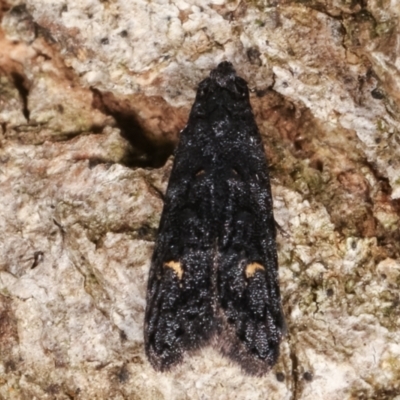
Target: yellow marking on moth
[200,172]
[176,266]
[252,268]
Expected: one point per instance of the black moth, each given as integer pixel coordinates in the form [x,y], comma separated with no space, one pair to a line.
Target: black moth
[213,276]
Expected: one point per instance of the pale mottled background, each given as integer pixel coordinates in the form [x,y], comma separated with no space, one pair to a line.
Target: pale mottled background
[92,97]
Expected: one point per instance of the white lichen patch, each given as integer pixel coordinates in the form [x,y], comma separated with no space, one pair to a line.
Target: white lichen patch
[336,329]
[69,306]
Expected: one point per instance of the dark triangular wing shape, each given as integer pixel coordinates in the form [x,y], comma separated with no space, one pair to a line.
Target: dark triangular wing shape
[214,268]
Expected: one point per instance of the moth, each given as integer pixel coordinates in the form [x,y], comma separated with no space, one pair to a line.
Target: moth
[214,273]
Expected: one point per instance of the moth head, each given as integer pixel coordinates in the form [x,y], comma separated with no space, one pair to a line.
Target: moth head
[224,74]
[224,77]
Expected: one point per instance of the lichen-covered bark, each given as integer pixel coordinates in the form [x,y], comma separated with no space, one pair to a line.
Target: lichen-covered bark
[93,94]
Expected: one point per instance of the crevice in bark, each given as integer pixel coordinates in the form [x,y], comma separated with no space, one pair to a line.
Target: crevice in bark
[144,152]
[22,87]
[295,372]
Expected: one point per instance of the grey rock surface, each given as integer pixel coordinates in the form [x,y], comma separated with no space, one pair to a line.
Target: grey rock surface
[92,97]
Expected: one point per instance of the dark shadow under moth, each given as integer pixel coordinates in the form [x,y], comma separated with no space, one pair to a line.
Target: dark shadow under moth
[214,274]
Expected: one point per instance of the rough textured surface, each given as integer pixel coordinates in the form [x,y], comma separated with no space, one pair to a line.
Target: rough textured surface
[94,93]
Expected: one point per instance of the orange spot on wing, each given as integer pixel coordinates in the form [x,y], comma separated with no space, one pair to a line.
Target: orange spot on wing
[252,268]
[176,266]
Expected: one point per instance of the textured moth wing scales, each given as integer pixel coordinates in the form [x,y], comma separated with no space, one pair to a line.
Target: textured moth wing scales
[214,270]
